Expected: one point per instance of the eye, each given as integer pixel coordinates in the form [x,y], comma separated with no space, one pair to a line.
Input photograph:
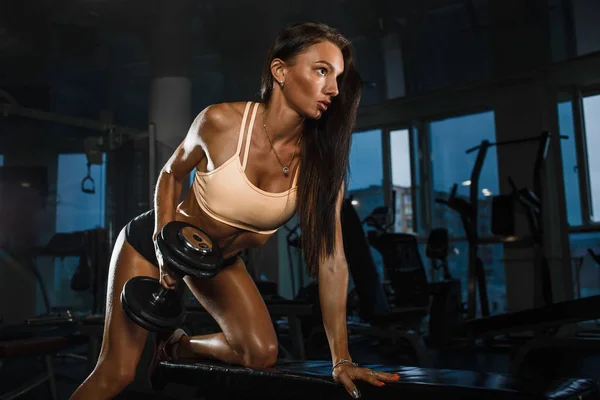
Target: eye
[324,71]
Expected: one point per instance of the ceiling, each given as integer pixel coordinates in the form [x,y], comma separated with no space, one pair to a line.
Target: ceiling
[39,36]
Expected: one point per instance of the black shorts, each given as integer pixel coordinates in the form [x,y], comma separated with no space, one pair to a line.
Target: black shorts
[138,234]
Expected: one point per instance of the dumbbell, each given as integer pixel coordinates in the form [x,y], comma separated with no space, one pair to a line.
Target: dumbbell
[186,250]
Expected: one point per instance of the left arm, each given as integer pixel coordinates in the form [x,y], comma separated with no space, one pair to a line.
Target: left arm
[333,294]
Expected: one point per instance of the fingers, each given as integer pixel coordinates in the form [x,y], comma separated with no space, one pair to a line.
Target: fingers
[383,377]
[374,378]
[371,377]
[166,280]
[351,388]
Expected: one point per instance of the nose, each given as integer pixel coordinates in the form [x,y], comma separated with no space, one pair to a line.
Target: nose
[332,88]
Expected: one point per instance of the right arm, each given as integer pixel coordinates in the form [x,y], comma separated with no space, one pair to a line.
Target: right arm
[176,170]
[174,173]
[185,158]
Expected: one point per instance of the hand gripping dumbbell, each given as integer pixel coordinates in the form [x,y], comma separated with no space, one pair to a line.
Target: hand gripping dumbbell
[186,250]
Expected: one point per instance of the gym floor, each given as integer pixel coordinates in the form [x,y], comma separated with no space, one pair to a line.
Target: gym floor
[71,372]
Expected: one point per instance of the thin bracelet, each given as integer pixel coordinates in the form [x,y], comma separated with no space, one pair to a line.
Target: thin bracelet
[342,361]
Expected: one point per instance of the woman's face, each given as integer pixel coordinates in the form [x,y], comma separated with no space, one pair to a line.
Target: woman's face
[310,82]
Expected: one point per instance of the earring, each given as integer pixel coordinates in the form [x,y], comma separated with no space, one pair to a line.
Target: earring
[281,84]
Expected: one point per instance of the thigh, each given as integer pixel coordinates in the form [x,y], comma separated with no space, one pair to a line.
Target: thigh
[123,340]
[235,303]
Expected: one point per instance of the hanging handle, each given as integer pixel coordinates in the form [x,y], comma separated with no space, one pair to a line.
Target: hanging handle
[88,178]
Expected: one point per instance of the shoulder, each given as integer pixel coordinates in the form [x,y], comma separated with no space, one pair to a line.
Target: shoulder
[218,118]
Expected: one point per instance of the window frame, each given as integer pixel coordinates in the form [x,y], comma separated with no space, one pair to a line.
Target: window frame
[427,200]
[386,157]
[576,95]
[413,150]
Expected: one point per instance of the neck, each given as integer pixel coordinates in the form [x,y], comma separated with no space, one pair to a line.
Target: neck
[283,123]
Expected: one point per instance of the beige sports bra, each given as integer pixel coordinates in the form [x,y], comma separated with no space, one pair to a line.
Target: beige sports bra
[228,196]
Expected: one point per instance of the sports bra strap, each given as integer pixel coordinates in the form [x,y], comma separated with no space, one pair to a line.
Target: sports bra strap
[249,136]
[241,136]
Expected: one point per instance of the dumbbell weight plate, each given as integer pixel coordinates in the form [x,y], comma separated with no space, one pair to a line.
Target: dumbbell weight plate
[177,267]
[192,246]
[139,321]
[137,301]
[190,249]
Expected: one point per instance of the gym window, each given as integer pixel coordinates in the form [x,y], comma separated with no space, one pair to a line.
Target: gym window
[450,138]
[591,113]
[366,171]
[449,165]
[365,184]
[581,170]
[76,211]
[569,160]
[581,173]
[402,185]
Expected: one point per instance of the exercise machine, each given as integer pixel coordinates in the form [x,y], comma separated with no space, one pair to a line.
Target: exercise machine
[408,285]
[544,321]
[397,319]
[406,277]
[468,212]
[446,312]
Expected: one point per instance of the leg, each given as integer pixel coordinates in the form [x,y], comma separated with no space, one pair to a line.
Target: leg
[248,337]
[123,341]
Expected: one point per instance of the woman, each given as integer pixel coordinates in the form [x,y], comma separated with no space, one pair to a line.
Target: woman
[257,164]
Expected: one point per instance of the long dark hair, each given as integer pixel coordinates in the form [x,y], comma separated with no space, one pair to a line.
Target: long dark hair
[326,146]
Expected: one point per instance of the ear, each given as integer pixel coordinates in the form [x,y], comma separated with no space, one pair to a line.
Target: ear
[278,69]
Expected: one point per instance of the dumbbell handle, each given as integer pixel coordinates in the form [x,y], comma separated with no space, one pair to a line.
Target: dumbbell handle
[159,297]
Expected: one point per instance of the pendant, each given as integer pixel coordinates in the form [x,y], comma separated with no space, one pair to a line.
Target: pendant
[286,170]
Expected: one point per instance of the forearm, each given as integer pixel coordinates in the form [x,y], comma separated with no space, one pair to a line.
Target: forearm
[166,198]
[333,293]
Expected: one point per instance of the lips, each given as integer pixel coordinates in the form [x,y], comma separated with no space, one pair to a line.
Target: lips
[322,105]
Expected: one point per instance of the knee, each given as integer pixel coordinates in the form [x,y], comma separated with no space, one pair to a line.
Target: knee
[115,377]
[261,354]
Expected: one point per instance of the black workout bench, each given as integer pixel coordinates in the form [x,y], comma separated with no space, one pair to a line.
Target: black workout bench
[312,380]
[43,347]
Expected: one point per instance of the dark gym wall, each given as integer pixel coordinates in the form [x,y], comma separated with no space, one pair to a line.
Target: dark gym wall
[587,32]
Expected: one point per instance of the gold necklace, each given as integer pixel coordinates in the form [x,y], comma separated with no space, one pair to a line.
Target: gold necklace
[286,168]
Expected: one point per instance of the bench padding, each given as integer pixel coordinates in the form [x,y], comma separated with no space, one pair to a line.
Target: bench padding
[311,380]
[31,346]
